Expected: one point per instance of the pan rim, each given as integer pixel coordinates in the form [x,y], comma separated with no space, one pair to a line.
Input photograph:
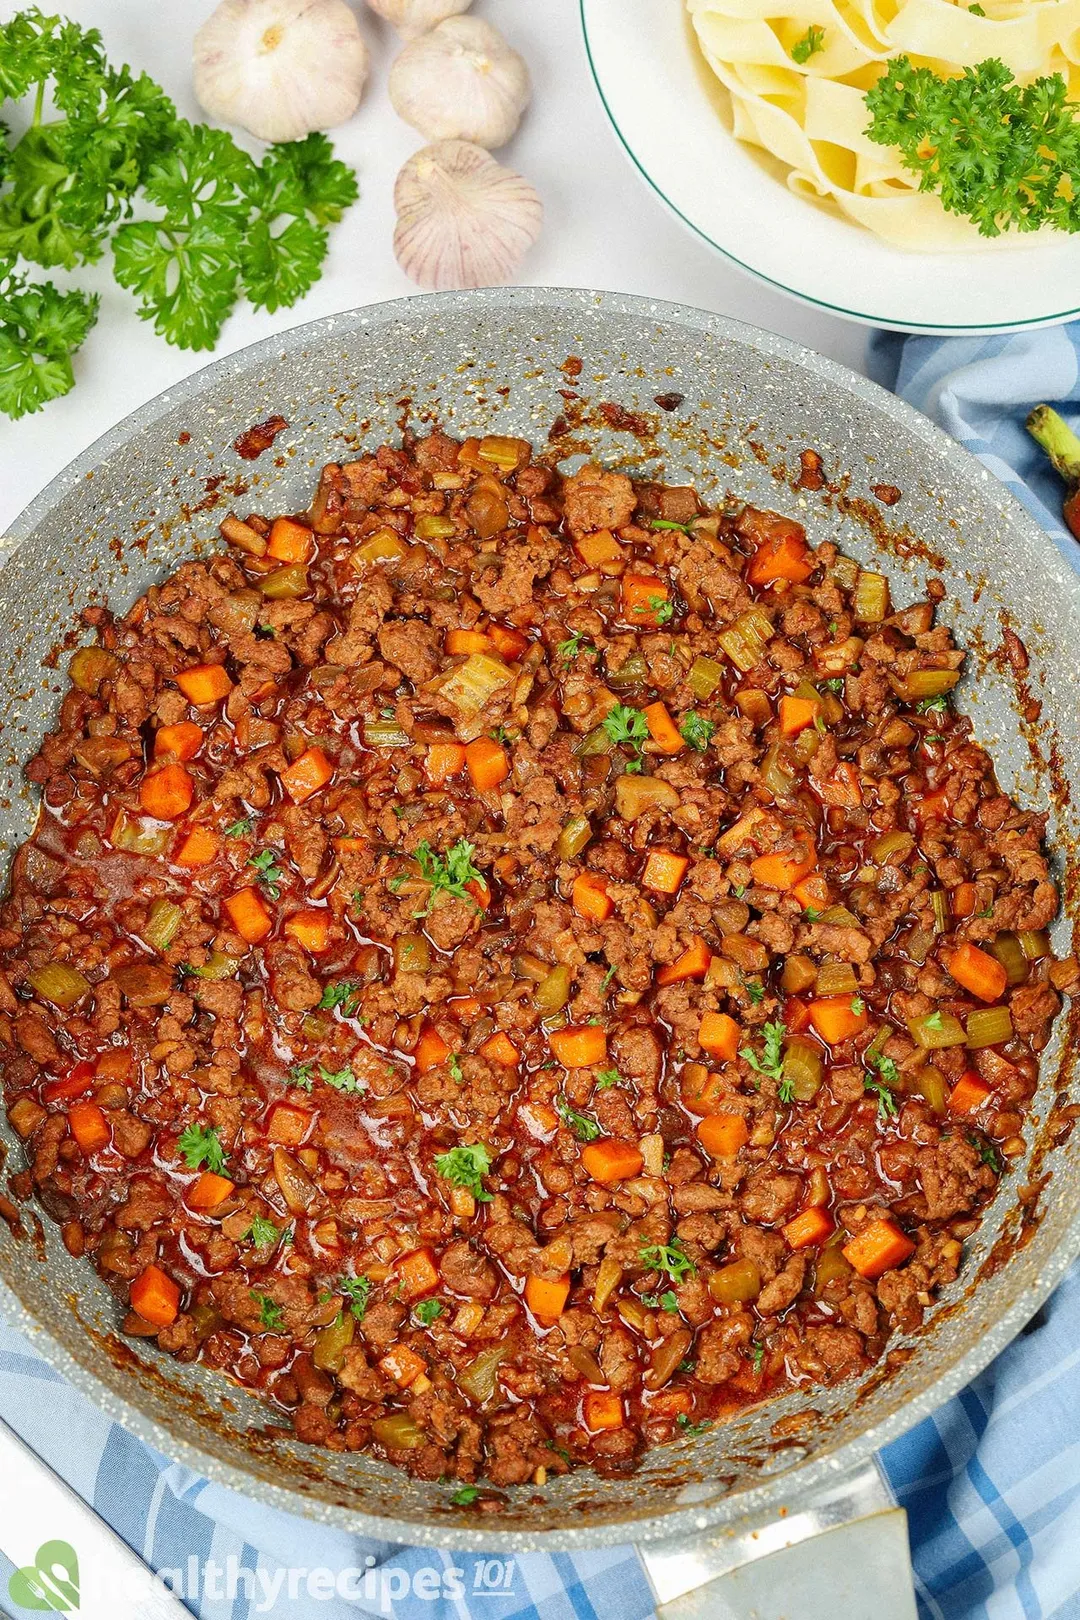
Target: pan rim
[795,1486]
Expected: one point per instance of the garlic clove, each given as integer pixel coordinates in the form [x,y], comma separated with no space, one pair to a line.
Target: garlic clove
[464,220]
[461,82]
[414,17]
[280,68]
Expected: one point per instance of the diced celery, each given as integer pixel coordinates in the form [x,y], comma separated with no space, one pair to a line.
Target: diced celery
[989,1026]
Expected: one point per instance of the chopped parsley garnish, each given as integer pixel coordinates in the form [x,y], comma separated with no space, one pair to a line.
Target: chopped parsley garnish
[887,1105]
[812,914]
[427,1311]
[786,1090]
[357,1292]
[771,1061]
[607,1077]
[453,1063]
[835,684]
[466,1496]
[691,1429]
[240,829]
[696,731]
[271,1315]
[574,644]
[758,1357]
[669,1258]
[449,873]
[858,1006]
[341,1079]
[301,1074]
[739,890]
[342,993]
[608,976]
[886,1068]
[267,872]
[666,523]
[626,725]
[987,1152]
[466,1166]
[933,1021]
[662,609]
[809,45]
[200,1144]
[262,1231]
[932,705]
[356,901]
[584,1128]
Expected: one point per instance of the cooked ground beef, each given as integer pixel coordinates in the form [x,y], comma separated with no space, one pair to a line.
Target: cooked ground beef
[511,967]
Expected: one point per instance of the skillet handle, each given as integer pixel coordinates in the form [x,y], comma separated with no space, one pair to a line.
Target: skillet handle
[846,1553]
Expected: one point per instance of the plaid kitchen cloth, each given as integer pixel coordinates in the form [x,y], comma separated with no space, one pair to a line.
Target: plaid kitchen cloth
[991,1482]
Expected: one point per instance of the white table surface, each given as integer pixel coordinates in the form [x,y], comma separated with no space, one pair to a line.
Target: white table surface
[603,226]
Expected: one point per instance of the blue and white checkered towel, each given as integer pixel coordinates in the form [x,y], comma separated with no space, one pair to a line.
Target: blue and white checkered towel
[991,1483]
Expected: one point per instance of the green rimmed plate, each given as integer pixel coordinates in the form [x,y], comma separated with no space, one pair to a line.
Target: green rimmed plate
[669,115]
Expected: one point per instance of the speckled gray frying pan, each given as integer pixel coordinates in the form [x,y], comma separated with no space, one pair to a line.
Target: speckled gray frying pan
[152,491]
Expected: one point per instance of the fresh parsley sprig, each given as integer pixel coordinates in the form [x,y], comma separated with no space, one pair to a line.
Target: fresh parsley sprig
[447,874]
[200,1144]
[466,1166]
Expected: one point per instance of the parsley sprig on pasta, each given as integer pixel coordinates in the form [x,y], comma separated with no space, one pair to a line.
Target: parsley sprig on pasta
[999,153]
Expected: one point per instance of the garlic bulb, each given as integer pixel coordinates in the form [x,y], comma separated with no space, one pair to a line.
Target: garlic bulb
[413,17]
[280,68]
[463,219]
[461,82]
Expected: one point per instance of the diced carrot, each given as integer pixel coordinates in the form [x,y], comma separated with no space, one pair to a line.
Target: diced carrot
[600,550]
[719,1035]
[416,1274]
[403,1365]
[429,1051]
[74,1084]
[155,1297]
[664,870]
[89,1126]
[644,596]
[249,916]
[465,1008]
[611,1159]
[183,740]
[509,643]
[166,793]
[499,1048]
[722,1135]
[209,1191]
[932,806]
[204,683]
[578,1045]
[835,1019]
[460,643]
[701,1091]
[692,964]
[796,714]
[784,555]
[444,761]
[878,1248]
[964,900]
[662,728]
[290,542]
[590,897]
[843,787]
[310,928]
[671,1403]
[602,1409]
[546,1297]
[978,972]
[785,868]
[288,1125]
[812,891]
[481,893]
[487,763]
[809,1228]
[306,775]
[796,1015]
[198,848]
[969,1093]
[115,1063]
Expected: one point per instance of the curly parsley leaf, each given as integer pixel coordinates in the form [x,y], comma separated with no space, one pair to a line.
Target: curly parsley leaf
[357,1292]
[299,189]
[466,1166]
[808,45]
[771,1061]
[341,1079]
[696,731]
[447,874]
[240,829]
[427,1310]
[574,644]
[267,873]
[606,1078]
[271,1314]
[671,1259]
[262,1231]
[465,1496]
[628,726]
[1001,154]
[41,329]
[584,1128]
[753,987]
[199,1145]
[342,993]
[932,705]
[887,1105]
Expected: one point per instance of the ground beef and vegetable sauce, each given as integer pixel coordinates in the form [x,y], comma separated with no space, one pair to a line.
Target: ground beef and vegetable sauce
[516,968]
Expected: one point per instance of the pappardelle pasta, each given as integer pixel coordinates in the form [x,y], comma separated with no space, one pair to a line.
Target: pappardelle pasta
[798,78]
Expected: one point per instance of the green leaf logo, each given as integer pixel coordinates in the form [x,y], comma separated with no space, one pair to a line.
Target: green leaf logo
[50,1582]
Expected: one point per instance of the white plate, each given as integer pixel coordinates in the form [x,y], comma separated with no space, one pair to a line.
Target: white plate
[668,115]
